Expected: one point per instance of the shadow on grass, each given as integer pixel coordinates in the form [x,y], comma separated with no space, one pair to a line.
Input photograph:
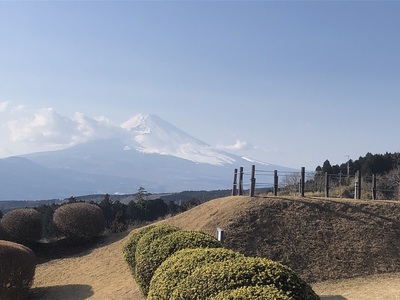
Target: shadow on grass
[333,297]
[65,292]
[64,248]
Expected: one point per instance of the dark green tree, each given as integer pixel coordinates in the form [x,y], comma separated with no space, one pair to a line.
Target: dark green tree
[132,211]
[335,169]
[141,194]
[190,204]
[326,167]
[72,200]
[119,223]
[150,210]
[173,208]
[107,208]
[47,211]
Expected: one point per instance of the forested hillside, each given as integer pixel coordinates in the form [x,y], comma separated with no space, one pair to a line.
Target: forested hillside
[369,164]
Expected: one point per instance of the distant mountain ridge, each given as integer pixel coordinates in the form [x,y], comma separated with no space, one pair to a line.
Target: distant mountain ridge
[150,152]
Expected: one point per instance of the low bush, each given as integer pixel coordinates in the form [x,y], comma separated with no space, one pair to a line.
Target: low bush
[180,265]
[211,279]
[266,292]
[23,225]
[129,246]
[143,270]
[17,269]
[79,222]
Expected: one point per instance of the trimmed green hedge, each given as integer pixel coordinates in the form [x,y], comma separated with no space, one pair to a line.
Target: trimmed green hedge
[265,292]
[163,247]
[209,280]
[129,246]
[143,270]
[180,265]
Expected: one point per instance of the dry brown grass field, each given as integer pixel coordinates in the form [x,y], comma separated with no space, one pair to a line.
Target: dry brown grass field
[98,273]
[325,241]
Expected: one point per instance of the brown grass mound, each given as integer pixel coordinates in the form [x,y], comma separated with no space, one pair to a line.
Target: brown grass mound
[319,239]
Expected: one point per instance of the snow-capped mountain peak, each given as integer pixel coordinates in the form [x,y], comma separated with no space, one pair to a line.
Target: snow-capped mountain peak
[152,134]
[138,123]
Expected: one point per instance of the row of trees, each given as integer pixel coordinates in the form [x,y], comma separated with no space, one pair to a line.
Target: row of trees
[117,215]
[386,168]
[341,178]
[378,164]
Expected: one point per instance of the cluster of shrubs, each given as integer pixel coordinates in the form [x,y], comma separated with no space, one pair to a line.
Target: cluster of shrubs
[77,222]
[169,264]
[21,229]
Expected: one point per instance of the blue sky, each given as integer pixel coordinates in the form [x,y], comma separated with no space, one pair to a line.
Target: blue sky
[290,83]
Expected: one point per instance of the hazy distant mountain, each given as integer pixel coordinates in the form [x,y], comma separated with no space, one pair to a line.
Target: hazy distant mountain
[151,153]
[155,135]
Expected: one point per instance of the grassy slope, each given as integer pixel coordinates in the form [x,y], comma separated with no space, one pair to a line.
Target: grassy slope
[320,239]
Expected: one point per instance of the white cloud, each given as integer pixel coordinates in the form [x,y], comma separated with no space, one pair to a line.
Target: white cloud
[18,108]
[238,145]
[3,106]
[47,128]
[93,128]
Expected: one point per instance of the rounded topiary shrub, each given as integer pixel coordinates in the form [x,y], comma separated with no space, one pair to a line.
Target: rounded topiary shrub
[17,269]
[163,247]
[79,222]
[143,270]
[211,279]
[23,225]
[130,244]
[180,265]
[265,292]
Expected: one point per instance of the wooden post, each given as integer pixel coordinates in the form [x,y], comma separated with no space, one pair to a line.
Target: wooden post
[241,181]
[357,186]
[373,187]
[234,187]
[303,181]
[326,185]
[276,182]
[253,181]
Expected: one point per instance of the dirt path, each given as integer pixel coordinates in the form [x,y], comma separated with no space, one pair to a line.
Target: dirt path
[100,274]
[375,287]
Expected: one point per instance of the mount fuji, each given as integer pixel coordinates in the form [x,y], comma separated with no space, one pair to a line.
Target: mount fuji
[147,151]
